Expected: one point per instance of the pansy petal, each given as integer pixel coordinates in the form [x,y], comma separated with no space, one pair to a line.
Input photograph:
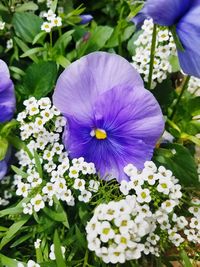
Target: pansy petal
[87,78]
[166,12]
[3,168]
[7,95]
[190,62]
[4,71]
[7,100]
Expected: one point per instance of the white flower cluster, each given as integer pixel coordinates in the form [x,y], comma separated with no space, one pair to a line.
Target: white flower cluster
[194,86]
[165,47]
[145,221]
[41,129]
[52,21]
[116,230]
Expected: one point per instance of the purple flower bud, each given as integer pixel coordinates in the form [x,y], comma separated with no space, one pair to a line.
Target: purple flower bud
[86,18]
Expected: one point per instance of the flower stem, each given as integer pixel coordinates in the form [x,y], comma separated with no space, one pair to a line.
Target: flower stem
[153,47]
[85,263]
[184,87]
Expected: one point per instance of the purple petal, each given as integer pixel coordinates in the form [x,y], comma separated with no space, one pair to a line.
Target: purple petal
[188,29]
[139,19]
[166,12]
[7,96]
[87,78]
[3,168]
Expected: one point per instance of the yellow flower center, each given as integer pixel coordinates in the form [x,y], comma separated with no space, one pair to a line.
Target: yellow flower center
[100,134]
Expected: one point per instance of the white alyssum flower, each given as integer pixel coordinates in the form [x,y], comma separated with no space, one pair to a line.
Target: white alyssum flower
[32,263]
[2,25]
[9,44]
[37,243]
[79,184]
[37,202]
[52,252]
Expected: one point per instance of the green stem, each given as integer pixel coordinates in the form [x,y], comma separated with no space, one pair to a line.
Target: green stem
[85,263]
[153,48]
[51,39]
[120,31]
[184,87]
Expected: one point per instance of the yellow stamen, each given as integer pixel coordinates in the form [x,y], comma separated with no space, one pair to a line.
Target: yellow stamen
[100,134]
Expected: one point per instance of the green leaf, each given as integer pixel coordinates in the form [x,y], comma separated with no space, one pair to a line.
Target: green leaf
[194,106]
[17,70]
[14,210]
[39,79]
[21,240]
[6,261]
[81,238]
[38,163]
[33,51]
[3,8]
[27,7]
[59,215]
[38,37]
[19,144]
[12,231]
[24,48]
[62,42]
[125,35]
[178,159]
[63,61]
[19,171]
[3,147]
[185,259]
[58,252]
[26,25]
[54,5]
[97,40]
[174,63]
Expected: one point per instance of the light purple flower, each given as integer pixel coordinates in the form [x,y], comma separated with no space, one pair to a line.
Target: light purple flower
[7,106]
[85,18]
[112,119]
[7,95]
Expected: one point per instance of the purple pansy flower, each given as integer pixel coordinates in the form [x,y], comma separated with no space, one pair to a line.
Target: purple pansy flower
[184,14]
[85,18]
[111,119]
[7,106]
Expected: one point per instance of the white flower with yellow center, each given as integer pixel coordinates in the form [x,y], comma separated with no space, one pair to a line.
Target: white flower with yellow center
[143,195]
[37,203]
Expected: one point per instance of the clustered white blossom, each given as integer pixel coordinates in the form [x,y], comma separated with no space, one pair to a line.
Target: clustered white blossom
[165,47]
[124,230]
[52,21]
[41,129]
[194,86]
